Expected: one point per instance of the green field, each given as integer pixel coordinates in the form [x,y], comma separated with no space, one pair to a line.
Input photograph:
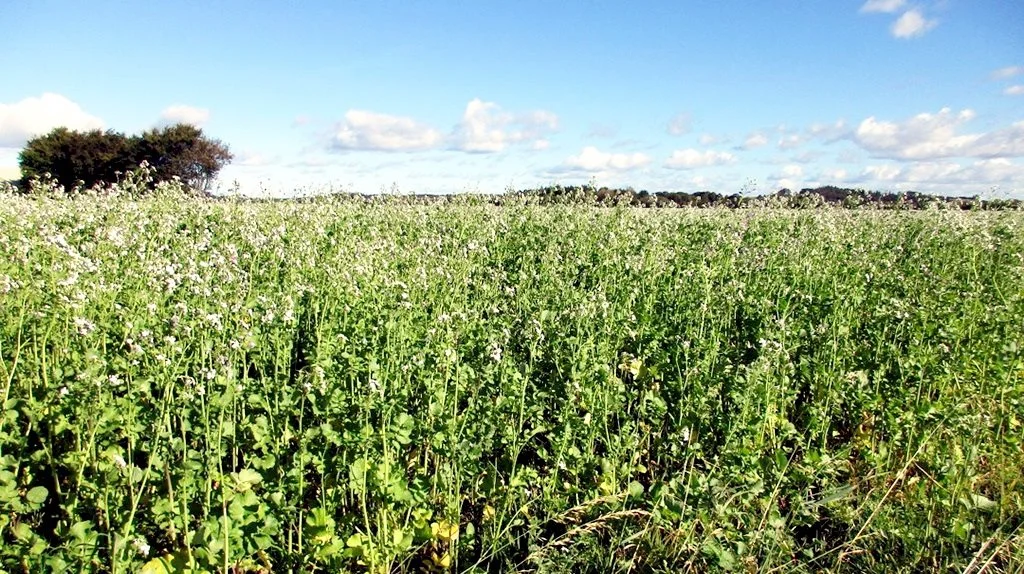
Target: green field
[397,387]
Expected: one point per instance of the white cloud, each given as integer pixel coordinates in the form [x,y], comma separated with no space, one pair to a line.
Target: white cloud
[486,128]
[691,158]
[837,175]
[912,24]
[789,177]
[884,6]
[923,136]
[363,130]
[1002,143]
[681,124]
[943,174]
[34,116]
[1007,72]
[593,160]
[755,140]
[881,173]
[182,114]
[791,141]
[793,171]
[710,139]
[828,132]
[1017,90]
[248,158]
[933,136]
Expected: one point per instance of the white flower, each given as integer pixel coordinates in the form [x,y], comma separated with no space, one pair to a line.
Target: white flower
[120,461]
[84,326]
[141,546]
[496,352]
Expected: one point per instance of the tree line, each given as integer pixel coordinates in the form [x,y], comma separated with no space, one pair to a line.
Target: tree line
[86,159]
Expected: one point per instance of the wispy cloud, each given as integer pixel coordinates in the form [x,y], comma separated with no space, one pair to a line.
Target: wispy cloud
[1017,90]
[754,141]
[1007,72]
[681,124]
[692,158]
[883,6]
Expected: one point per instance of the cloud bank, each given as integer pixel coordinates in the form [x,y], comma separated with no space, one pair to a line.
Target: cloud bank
[35,116]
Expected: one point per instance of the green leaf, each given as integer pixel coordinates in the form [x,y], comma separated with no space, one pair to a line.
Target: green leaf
[247,478]
[37,495]
[636,490]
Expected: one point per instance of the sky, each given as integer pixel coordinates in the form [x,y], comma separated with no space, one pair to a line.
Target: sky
[453,96]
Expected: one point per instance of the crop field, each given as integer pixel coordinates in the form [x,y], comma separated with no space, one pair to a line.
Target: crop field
[194,385]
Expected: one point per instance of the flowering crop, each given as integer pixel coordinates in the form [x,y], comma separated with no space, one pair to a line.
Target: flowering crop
[223,385]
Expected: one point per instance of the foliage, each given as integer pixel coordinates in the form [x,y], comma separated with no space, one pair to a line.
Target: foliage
[390,387]
[182,151]
[81,160]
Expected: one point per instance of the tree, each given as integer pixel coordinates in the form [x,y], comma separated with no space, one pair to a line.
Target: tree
[77,158]
[88,158]
[182,150]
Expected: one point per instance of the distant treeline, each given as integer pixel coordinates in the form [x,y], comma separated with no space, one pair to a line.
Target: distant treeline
[804,199]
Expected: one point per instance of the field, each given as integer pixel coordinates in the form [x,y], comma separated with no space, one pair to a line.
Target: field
[397,387]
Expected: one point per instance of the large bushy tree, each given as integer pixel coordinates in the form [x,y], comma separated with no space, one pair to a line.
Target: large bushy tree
[78,158]
[183,151]
[88,158]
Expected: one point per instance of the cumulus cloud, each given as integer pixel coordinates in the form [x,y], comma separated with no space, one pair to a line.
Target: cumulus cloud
[593,160]
[681,124]
[486,128]
[939,174]
[931,136]
[1017,90]
[789,177]
[883,6]
[1007,72]
[691,158]
[34,116]
[364,130]
[912,24]
[836,175]
[182,114]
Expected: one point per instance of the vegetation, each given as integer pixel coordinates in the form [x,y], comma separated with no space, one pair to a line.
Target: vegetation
[386,386]
[77,160]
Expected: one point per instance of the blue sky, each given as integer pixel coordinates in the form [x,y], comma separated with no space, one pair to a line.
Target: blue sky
[447,96]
